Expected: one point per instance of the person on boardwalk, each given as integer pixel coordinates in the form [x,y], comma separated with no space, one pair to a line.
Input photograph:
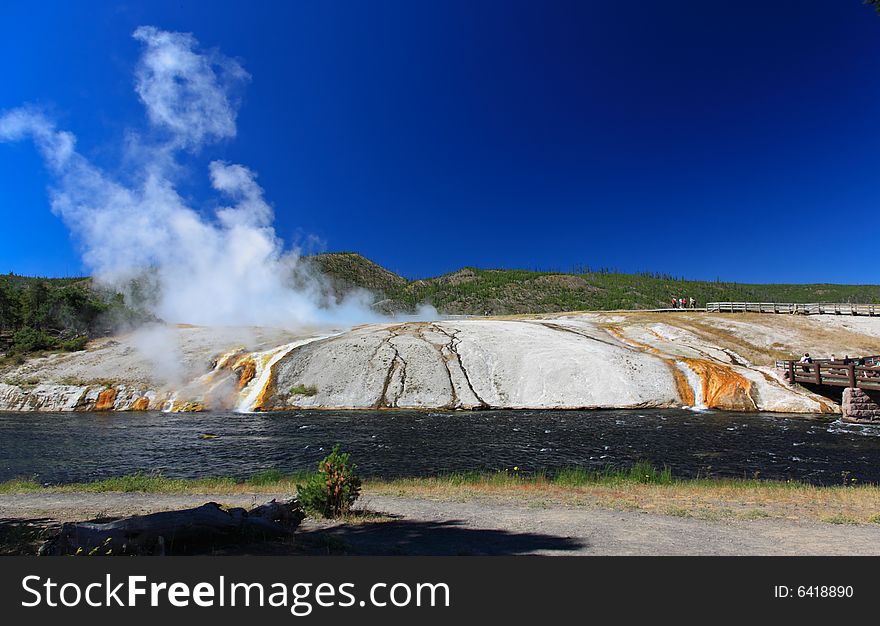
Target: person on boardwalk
[674,303]
[693,303]
[805,360]
[681,303]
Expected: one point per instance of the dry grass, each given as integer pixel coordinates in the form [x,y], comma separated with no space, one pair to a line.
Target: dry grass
[797,333]
[652,492]
[810,333]
[702,499]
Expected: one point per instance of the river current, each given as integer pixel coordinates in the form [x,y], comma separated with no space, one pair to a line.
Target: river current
[69,447]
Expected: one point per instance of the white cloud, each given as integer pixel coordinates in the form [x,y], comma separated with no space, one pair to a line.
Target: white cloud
[185,92]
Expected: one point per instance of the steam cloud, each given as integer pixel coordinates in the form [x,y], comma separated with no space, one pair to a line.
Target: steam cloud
[226,269]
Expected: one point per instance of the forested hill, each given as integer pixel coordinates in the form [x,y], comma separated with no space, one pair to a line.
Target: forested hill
[62,313]
[57,313]
[473,291]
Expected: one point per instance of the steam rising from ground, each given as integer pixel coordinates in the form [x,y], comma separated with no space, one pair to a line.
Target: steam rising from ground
[229,268]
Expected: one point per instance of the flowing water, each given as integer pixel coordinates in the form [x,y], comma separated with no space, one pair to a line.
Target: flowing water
[55,447]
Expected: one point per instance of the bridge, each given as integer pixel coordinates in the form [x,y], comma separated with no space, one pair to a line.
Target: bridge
[860,373]
[815,308]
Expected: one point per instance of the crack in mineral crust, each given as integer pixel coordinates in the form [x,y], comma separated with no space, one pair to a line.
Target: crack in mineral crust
[383,401]
[454,402]
[454,340]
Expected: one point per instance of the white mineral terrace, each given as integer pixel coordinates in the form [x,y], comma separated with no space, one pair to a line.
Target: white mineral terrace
[619,360]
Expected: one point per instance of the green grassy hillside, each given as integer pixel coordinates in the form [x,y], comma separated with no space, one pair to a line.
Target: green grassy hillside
[500,291]
[349,270]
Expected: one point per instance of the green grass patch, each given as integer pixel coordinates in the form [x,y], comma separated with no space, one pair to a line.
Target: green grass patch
[838,518]
[640,472]
[149,483]
[20,485]
[304,390]
[677,511]
[273,479]
[266,477]
[156,483]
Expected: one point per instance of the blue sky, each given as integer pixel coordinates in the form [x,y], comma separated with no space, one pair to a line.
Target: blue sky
[732,140]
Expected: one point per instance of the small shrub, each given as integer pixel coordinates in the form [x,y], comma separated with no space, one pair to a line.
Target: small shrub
[75,344]
[30,340]
[334,489]
[304,390]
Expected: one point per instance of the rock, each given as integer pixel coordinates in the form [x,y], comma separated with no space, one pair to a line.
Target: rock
[183,531]
[106,400]
[861,406]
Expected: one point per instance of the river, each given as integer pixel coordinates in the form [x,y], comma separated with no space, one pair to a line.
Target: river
[71,447]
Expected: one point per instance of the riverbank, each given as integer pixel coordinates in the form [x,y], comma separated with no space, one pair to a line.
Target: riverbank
[640,488]
[500,514]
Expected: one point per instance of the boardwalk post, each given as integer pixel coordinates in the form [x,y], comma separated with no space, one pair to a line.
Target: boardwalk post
[791,372]
[818,374]
[851,371]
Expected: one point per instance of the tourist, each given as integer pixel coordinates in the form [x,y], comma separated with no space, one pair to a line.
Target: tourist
[681,303]
[693,302]
[806,359]
[674,303]
[833,359]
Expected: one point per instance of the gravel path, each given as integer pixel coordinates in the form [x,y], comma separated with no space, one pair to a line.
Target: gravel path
[492,526]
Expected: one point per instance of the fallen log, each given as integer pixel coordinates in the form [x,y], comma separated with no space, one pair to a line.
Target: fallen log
[177,532]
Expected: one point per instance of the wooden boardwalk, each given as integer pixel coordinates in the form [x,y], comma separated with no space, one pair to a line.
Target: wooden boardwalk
[858,373]
[815,308]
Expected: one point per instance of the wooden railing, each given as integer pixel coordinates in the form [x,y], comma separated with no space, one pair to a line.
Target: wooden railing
[815,308]
[863,372]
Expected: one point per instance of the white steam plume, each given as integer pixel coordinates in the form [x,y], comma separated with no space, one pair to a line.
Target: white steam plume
[226,269]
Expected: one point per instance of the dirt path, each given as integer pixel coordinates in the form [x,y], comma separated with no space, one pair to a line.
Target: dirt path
[490,526]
